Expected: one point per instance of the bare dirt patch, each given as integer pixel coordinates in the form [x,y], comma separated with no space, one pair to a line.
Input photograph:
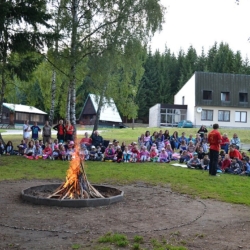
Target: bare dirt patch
[151,212]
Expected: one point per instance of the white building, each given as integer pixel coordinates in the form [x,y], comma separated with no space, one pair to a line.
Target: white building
[216,98]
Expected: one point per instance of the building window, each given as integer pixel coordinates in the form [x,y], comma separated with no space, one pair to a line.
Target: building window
[207,95]
[224,116]
[207,115]
[225,96]
[37,118]
[240,116]
[243,97]
[22,116]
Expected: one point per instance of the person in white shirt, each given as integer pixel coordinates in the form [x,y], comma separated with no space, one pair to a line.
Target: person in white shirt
[26,131]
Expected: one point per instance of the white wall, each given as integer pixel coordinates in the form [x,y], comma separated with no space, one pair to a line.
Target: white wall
[188,91]
[155,116]
[232,122]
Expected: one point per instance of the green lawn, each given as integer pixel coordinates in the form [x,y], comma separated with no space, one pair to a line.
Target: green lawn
[197,183]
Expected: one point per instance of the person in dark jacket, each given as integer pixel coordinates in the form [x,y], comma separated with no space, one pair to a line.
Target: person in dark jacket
[202,131]
[97,140]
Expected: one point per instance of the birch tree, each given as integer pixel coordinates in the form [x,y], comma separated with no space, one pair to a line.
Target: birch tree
[94,25]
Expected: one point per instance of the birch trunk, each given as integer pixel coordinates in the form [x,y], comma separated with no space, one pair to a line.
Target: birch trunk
[53,97]
[72,89]
[68,104]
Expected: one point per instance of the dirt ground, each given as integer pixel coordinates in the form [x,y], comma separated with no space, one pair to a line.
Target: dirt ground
[150,212]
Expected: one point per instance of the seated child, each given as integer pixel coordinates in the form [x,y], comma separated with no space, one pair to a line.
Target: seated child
[100,154]
[234,167]
[183,146]
[56,152]
[245,166]
[191,147]
[135,154]
[29,151]
[109,153]
[47,152]
[70,151]
[54,143]
[170,151]
[163,156]
[123,146]
[205,162]
[118,155]
[62,152]
[153,155]
[194,162]
[226,163]
[144,154]
[92,153]
[126,154]
[185,157]
[38,153]
[9,150]
[21,147]
[201,153]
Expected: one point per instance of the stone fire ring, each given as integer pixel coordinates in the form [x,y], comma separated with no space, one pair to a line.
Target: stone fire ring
[38,195]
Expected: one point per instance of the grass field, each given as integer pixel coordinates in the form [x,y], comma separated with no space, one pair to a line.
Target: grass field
[197,183]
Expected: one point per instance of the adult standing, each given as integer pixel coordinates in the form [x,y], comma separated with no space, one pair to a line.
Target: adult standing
[69,130]
[60,131]
[46,133]
[26,131]
[35,131]
[214,139]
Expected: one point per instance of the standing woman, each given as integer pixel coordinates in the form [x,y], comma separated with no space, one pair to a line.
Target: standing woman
[46,134]
[60,131]
[69,131]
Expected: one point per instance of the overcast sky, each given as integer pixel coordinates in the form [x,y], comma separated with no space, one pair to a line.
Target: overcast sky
[202,22]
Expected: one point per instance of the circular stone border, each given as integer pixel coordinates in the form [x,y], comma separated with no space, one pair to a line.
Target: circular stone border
[26,195]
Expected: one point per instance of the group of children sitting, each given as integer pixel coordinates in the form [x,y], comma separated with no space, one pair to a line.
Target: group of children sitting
[158,148]
[35,149]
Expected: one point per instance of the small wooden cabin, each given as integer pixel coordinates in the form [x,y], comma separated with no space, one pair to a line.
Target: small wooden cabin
[109,115]
[18,113]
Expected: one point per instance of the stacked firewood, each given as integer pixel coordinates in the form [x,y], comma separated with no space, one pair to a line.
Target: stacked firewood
[76,185]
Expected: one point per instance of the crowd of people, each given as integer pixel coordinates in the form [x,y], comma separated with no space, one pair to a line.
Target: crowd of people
[207,151]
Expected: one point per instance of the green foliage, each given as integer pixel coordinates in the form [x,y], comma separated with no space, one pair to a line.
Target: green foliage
[162,246]
[119,240]
[76,246]
[138,239]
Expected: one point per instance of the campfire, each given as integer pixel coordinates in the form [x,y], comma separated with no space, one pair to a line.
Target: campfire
[76,185]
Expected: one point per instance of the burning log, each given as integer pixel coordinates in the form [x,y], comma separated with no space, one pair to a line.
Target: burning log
[76,185]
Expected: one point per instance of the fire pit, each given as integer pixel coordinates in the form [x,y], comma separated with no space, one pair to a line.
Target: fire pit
[76,191]
[38,195]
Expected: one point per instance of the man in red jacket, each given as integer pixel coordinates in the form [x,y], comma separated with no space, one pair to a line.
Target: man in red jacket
[214,139]
[234,153]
